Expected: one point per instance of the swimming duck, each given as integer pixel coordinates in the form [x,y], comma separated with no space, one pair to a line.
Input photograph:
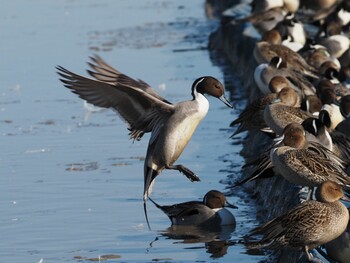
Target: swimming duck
[171,125]
[211,212]
[307,226]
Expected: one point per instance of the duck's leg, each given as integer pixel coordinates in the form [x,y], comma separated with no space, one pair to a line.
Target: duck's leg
[187,172]
[310,257]
[310,193]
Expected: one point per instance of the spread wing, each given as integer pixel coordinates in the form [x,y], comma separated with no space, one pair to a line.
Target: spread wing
[106,73]
[137,103]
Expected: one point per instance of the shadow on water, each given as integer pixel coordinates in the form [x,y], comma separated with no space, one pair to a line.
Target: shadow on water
[214,241]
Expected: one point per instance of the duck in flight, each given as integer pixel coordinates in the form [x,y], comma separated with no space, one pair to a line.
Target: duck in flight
[171,125]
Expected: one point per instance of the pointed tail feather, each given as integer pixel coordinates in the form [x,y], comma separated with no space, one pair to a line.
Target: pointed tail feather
[150,175]
[158,206]
[266,173]
[146,216]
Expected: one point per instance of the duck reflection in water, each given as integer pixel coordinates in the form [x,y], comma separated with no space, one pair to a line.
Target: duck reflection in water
[206,221]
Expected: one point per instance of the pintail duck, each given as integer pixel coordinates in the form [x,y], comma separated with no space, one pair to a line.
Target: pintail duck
[171,125]
[307,226]
[318,4]
[316,131]
[334,141]
[264,5]
[304,163]
[283,110]
[336,44]
[312,104]
[336,18]
[291,6]
[265,20]
[331,116]
[270,47]
[211,212]
[277,67]
[292,32]
[252,118]
[299,161]
[344,126]
[319,57]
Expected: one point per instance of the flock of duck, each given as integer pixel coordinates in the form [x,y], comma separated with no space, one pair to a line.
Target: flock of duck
[305,107]
[303,72]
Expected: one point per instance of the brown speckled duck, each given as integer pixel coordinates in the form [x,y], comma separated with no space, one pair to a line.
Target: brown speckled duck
[309,225]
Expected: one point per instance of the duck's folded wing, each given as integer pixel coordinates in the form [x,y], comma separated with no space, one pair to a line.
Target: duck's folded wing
[106,73]
[316,166]
[182,209]
[326,153]
[142,111]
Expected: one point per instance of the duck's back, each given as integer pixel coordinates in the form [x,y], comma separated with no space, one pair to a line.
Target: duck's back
[189,213]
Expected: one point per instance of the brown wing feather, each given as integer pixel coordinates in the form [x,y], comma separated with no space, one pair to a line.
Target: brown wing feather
[317,166]
[106,73]
[142,111]
[294,227]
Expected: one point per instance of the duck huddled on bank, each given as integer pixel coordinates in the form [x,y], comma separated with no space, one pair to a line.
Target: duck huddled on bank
[307,49]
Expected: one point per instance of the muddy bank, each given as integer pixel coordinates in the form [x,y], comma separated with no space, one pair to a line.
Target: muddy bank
[274,195]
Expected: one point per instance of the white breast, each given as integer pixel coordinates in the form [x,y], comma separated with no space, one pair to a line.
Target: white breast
[259,71]
[226,216]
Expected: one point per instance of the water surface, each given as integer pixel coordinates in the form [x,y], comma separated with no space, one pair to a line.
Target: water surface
[71,180]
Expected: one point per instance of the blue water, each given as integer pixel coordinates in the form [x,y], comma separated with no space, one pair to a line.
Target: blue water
[71,181]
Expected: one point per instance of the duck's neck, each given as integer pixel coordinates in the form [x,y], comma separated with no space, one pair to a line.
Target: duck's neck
[203,103]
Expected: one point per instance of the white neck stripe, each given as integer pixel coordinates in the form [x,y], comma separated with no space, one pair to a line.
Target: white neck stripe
[315,127]
[279,62]
[195,87]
